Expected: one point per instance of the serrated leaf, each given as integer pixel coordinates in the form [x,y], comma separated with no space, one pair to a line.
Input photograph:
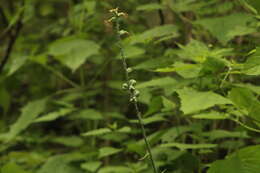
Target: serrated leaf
[227,27]
[245,100]
[193,101]
[246,160]
[107,151]
[97,132]
[73,51]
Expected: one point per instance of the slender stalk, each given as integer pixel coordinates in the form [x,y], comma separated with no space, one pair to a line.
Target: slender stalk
[130,87]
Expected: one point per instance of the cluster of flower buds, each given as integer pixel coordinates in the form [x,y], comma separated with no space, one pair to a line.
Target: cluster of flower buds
[116,14]
[130,86]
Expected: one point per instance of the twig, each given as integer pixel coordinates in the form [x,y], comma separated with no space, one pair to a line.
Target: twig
[130,83]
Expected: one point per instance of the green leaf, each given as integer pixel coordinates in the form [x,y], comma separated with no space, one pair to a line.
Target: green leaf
[16,62]
[12,168]
[193,101]
[188,146]
[70,141]
[88,114]
[184,70]
[115,169]
[149,7]
[54,115]
[211,116]
[227,27]
[29,113]
[245,100]
[156,32]
[58,164]
[73,51]
[252,65]
[91,166]
[107,151]
[220,134]
[164,81]
[132,52]
[246,160]
[97,132]
[149,120]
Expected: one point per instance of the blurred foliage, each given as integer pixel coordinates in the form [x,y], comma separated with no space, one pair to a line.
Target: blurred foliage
[197,65]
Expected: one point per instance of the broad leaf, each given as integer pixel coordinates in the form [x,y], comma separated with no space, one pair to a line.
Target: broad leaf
[72,51]
[107,151]
[29,113]
[193,101]
[246,160]
[227,27]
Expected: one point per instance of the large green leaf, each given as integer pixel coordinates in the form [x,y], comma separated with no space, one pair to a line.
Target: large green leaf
[246,160]
[12,168]
[58,164]
[252,65]
[73,51]
[245,100]
[29,113]
[168,31]
[227,27]
[193,101]
[107,151]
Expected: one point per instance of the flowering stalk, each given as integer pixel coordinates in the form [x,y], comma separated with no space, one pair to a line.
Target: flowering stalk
[130,83]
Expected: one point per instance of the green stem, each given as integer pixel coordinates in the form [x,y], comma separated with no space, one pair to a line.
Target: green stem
[123,59]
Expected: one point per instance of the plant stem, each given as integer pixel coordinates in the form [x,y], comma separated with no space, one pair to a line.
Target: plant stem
[138,113]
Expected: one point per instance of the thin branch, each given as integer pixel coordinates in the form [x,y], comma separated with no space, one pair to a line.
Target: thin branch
[129,85]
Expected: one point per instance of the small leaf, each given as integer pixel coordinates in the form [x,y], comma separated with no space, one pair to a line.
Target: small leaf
[164,81]
[54,115]
[97,132]
[107,151]
[91,166]
[88,114]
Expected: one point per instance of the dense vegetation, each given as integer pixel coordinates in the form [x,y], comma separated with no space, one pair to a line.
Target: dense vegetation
[197,67]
